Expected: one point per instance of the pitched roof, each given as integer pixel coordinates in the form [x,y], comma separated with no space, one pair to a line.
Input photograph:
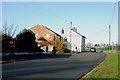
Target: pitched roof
[80,34]
[74,29]
[51,31]
[37,28]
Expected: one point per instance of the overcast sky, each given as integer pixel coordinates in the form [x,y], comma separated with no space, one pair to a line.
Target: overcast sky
[90,18]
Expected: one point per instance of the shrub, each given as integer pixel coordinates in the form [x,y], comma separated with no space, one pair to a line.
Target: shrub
[25,41]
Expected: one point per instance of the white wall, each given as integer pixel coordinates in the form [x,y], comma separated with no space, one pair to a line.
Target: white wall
[76,41]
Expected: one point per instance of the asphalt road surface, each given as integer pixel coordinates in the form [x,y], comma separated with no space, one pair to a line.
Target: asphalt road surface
[74,66]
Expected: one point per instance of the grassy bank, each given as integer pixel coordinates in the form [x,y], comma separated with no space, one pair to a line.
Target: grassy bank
[107,69]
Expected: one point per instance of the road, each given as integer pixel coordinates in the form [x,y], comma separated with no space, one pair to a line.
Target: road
[74,66]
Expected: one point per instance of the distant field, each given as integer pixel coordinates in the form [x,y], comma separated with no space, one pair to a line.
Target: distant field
[108,69]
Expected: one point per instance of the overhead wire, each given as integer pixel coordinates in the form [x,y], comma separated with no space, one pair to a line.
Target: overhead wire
[111,21]
[114,9]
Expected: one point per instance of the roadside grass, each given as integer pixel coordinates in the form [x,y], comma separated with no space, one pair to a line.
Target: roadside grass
[107,69]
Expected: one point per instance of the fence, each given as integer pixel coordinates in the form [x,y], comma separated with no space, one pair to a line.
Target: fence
[115,48]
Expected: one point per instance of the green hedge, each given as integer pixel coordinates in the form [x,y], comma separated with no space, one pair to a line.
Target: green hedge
[102,49]
[116,48]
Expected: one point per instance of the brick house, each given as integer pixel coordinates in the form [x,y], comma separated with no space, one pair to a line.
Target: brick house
[45,36]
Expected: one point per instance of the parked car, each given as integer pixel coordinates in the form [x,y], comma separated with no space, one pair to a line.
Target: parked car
[93,49]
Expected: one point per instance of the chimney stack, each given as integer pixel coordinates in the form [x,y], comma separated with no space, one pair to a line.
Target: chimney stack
[62,31]
[74,29]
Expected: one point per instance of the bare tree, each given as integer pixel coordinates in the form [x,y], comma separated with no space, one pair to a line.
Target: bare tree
[9,30]
[7,34]
[89,45]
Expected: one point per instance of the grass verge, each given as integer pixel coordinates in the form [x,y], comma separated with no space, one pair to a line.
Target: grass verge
[107,69]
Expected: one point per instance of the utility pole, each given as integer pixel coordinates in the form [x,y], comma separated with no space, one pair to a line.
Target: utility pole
[54,47]
[70,34]
[109,37]
[54,39]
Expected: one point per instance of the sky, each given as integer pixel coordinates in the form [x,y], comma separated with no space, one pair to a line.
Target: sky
[90,18]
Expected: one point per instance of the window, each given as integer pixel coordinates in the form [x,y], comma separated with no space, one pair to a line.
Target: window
[36,35]
[47,35]
[65,40]
[65,45]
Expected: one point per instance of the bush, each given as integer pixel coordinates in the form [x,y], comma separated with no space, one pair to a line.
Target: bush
[6,36]
[5,44]
[25,41]
[59,46]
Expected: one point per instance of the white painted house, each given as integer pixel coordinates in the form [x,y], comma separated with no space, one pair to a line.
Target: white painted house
[73,40]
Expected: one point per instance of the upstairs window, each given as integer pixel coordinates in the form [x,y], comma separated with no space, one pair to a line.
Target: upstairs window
[47,35]
[36,35]
[65,40]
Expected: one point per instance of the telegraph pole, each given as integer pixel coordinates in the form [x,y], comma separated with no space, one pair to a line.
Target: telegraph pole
[109,37]
[70,34]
